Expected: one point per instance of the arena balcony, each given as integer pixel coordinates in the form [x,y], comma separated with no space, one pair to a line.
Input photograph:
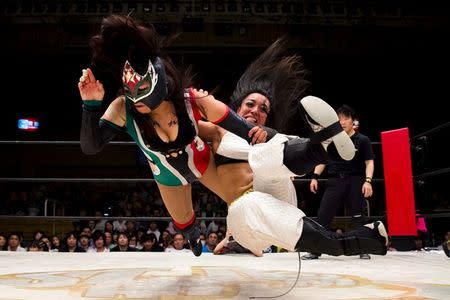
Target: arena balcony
[321,12]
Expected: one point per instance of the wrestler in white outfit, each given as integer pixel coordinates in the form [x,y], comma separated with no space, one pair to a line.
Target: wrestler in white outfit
[265,215]
[268,215]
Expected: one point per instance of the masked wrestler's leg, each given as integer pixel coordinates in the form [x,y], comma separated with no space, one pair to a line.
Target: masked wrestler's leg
[178,201]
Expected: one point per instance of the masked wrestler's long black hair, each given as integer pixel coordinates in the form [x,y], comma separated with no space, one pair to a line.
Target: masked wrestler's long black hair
[121,38]
[282,78]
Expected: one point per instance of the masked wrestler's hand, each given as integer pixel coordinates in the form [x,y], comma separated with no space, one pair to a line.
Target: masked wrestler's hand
[90,88]
[201,93]
[258,135]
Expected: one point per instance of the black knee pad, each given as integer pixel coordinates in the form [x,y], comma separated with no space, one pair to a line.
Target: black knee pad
[192,234]
[301,156]
[315,238]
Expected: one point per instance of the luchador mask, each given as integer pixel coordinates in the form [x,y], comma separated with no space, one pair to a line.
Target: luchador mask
[149,88]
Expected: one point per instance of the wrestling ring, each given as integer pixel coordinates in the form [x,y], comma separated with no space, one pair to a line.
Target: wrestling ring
[409,275]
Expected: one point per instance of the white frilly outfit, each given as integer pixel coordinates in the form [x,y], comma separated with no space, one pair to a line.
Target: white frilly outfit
[267,214]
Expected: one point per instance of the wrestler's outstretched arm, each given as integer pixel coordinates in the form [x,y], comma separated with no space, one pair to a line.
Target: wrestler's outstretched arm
[95,133]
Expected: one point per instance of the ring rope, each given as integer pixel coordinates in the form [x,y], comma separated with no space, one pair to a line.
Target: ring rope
[67,218]
[116,143]
[433,173]
[108,180]
[437,128]
[58,142]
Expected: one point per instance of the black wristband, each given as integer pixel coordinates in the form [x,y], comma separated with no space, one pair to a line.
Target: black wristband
[315,176]
[236,124]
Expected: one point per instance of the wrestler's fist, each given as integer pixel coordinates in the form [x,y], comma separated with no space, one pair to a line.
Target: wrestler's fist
[258,135]
[89,87]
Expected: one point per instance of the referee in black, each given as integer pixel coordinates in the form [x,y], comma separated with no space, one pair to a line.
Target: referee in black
[349,182]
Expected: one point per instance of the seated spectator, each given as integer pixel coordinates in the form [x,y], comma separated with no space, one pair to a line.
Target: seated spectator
[99,243]
[38,246]
[33,246]
[211,243]
[115,237]
[37,235]
[14,240]
[70,243]
[109,227]
[177,245]
[87,231]
[119,224]
[140,232]
[134,241]
[92,224]
[109,240]
[446,248]
[46,240]
[55,244]
[212,227]
[100,224]
[130,227]
[3,242]
[153,228]
[123,241]
[84,241]
[229,246]
[157,212]
[149,243]
[171,229]
[165,240]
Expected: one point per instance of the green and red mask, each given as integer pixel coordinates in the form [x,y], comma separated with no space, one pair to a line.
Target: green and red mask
[149,88]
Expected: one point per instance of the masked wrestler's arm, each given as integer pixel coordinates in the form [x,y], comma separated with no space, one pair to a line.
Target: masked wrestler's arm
[95,132]
[209,131]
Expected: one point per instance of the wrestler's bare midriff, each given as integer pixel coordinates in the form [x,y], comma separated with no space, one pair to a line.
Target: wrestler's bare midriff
[235,178]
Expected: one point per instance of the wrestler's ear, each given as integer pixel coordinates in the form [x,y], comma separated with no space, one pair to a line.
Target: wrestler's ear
[238,109]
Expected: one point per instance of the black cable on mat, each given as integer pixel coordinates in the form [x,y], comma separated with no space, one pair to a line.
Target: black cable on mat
[290,289]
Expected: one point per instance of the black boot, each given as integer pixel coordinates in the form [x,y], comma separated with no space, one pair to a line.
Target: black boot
[358,221]
[370,238]
[192,234]
[324,122]
[301,156]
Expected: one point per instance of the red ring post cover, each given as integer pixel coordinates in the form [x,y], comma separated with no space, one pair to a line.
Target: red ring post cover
[400,205]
